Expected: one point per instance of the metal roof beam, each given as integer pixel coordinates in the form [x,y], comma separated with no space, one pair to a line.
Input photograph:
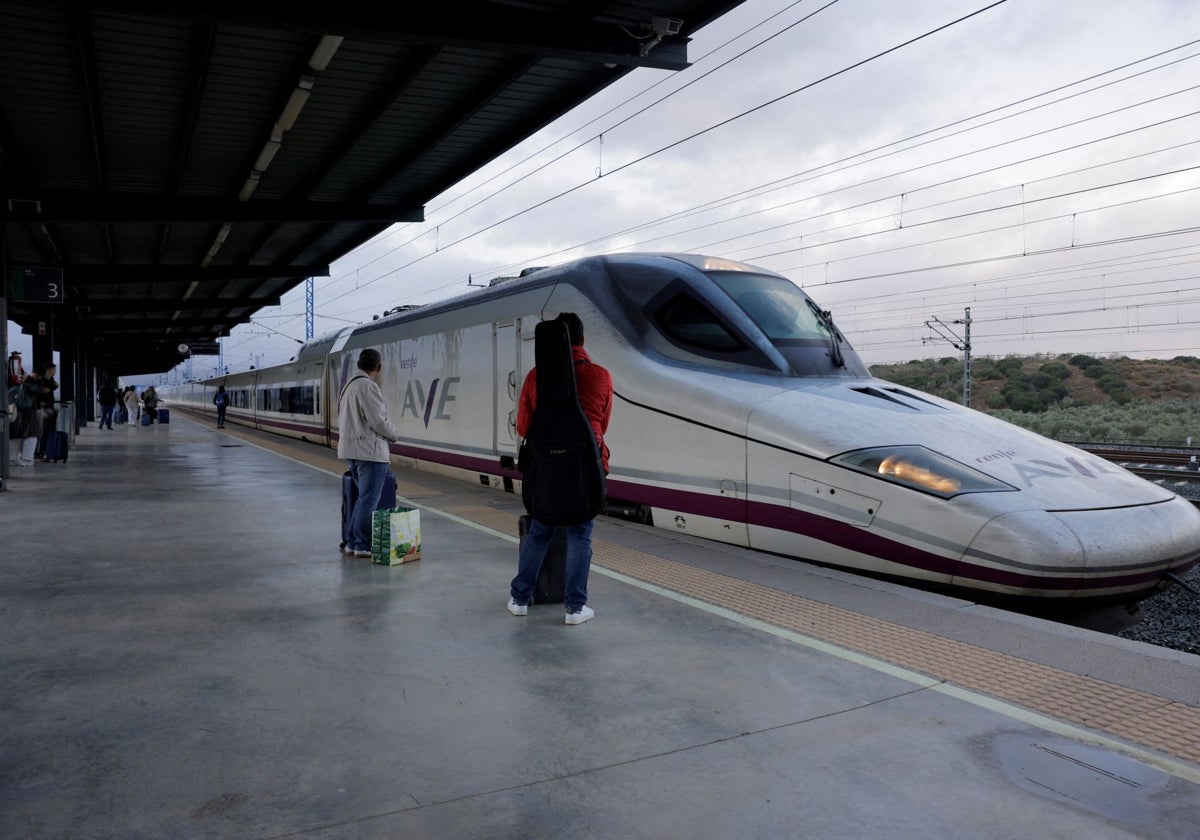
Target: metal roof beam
[98,275]
[478,25]
[126,306]
[84,206]
[176,325]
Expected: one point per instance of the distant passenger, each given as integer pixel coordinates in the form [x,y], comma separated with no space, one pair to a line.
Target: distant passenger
[150,403]
[131,405]
[363,435]
[593,385]
[107,397]
[221,401]
[25,432]
[47,410]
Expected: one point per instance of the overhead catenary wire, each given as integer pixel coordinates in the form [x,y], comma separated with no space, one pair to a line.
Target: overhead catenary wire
[920,134]
[676,143]
[1124,239]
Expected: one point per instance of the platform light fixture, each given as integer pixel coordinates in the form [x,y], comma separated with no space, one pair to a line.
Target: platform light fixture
[250,186]
[295,103]
[323,53]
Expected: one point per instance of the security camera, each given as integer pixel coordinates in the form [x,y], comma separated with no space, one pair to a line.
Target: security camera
[665,25]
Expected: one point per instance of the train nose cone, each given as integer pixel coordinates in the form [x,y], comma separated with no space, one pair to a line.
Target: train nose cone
[1093,553]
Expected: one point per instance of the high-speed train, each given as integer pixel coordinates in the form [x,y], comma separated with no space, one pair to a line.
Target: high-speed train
[741,414]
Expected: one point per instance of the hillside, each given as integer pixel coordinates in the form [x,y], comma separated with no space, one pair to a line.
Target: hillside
[1071,397]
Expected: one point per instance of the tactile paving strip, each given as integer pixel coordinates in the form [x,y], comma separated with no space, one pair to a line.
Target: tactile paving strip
[1137,716]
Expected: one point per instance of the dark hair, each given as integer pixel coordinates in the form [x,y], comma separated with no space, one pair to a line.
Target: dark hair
[574,326]
[369,361]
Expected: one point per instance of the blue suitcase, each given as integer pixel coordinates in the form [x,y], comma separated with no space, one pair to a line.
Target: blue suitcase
[164,415]
[57,445]
[387,500]
[146,418]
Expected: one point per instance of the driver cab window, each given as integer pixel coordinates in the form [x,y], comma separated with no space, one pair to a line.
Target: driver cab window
[690,322]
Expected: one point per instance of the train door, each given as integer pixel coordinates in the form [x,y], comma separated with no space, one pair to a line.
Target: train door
[506,385]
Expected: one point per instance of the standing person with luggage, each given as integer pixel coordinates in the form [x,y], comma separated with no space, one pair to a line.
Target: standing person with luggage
[47,411]
[26,430]
[363,436]
[131,405]
[221,401]
[150,404]
[107,397]
[594,390]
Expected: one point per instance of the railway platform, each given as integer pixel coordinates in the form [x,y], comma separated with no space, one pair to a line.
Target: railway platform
[187,654]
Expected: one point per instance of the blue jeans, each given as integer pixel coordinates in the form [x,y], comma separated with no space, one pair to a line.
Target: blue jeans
[533,551]
[106,413]
[368,476]
[220,415]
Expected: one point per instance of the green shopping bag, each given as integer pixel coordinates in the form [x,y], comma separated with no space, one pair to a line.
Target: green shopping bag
[395,536]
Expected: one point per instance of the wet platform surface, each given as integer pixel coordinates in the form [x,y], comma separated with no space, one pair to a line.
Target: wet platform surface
[186,654]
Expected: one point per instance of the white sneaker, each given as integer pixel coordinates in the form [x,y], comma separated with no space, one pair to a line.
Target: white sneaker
[346,549]
[585,613]
[517,609]
[358,552]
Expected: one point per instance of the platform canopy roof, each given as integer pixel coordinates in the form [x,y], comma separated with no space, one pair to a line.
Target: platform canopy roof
[187,164]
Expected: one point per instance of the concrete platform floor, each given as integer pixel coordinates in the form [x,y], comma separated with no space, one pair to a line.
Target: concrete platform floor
[185,654]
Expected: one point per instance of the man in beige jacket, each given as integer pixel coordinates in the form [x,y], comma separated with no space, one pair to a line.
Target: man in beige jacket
[363,435]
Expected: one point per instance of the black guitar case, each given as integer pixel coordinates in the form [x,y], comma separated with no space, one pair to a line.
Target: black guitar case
[561,469]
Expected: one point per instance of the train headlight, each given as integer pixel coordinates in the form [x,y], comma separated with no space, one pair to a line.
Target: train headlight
[921,468]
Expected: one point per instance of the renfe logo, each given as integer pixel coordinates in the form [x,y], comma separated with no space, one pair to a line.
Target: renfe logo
[420,403]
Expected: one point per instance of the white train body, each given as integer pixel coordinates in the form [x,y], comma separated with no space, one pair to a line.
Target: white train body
[733,420]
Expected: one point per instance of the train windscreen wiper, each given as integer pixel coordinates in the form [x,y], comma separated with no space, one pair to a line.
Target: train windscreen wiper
[835,337]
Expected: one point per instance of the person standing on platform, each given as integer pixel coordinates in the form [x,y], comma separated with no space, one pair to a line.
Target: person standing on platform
[364,432]
[107,397]
[131,405]
[47,411]
[26,430]
[150,403]
[593,385]
[221,401]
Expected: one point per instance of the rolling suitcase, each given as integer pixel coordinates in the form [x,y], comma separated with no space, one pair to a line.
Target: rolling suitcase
[164,415]
[551,584]
[57,445]
[387,500]
[146,419]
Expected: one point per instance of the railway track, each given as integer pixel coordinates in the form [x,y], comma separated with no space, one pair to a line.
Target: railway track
[1176,455]
[1154,463]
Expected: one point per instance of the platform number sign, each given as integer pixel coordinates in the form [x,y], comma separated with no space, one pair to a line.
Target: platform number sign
[37,284]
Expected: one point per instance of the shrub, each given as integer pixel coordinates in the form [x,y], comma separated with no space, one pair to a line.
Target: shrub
[1084,362]
[1055,370]
[1008,365]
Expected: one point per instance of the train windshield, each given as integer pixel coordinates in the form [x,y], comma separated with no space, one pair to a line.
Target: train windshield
[794,325]
[775,304]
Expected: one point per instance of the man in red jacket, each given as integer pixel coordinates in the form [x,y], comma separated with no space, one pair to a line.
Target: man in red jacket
[593,384]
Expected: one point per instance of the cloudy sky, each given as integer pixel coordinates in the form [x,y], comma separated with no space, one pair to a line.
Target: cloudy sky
[1038,162]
